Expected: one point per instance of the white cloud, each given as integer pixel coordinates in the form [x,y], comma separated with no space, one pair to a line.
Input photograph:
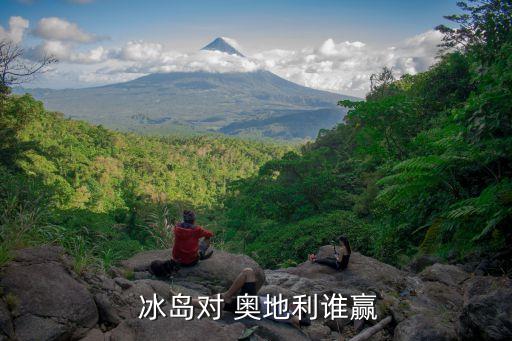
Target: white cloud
[65,52]
[342,67]
[58,29]
[17,28]
[346,67]
[139,51]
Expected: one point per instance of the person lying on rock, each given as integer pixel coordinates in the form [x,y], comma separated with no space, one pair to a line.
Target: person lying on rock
[245,283]
[191,241]
[336,262]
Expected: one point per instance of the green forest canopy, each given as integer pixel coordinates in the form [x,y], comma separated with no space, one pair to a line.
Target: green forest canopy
[423,165]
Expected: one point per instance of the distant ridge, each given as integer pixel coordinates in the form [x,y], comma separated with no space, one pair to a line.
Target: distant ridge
[220,44]
[257,103]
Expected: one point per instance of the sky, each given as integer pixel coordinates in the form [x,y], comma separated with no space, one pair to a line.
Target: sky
[333,45]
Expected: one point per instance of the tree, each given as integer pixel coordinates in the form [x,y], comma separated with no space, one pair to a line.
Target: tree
[484,27]
[15,69]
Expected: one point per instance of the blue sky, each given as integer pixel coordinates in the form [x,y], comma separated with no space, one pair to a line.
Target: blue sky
[258,26]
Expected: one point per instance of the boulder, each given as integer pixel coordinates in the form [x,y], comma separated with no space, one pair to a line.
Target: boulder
[51,303]
[424,327]
[6,327]
[363,272]
[420,262]
[487,311]
[107,313]
[176,329]
[96,335]
[268,329]
[142,260]
[216,272]
[448,274]
[123,282]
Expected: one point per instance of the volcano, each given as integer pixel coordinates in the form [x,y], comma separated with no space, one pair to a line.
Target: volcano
[221,44]
[257,103]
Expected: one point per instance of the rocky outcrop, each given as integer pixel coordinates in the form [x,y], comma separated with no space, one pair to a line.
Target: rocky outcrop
[43,299]
[487,310]
[213,274]
[176,329]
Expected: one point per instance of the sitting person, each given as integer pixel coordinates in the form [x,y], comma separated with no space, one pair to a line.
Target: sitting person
[245,283]
[191,241]
[336,262]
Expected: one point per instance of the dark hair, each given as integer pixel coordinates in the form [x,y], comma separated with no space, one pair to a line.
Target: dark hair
[189,216]
[345,242]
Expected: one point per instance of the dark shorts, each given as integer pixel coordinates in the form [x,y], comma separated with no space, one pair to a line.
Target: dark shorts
[248,288]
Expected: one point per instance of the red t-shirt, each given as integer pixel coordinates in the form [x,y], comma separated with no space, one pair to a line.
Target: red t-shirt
[186,243]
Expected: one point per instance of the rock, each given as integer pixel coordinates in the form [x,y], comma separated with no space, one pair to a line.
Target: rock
[123,283]
[419,263]
[142,260]
[448,274]
[176,329]
[6,327]
[31,327]
[95,335]
[423,327]
[219,270]
[362,272]
[107,314]
[271,330]
[41,254]
[487,311]
[267,329]
[318,332]
[51,303]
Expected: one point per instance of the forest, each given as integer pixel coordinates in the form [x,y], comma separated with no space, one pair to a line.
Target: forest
[105,195]
[422,166]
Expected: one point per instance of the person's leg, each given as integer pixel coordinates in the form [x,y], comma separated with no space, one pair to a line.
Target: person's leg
[329,261]
[246,276]
[204,253]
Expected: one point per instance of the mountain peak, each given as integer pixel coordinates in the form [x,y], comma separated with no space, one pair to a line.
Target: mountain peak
[222,44]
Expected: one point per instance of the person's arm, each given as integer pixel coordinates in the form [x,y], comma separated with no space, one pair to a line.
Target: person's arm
[206,234]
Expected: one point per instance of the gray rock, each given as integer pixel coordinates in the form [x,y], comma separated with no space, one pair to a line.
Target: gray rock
[142,260]
[34,328]
[423,327]
[487,311]
[107,314]
[318,331]
[444,273]
[6,327]
[220,270]
[96,335]
[267,329]
[123,283]
[176,329]
[41,254]
[419,263]
[362,272]
[52,303]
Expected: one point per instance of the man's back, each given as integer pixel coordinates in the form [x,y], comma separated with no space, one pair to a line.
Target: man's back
[186,242]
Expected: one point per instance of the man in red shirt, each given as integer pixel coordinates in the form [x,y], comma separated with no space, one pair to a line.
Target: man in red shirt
[188,247]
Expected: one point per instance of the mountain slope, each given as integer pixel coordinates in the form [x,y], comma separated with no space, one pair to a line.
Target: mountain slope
[201,101]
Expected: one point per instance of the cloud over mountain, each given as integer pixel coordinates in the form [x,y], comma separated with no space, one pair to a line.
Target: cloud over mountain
[342,67]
